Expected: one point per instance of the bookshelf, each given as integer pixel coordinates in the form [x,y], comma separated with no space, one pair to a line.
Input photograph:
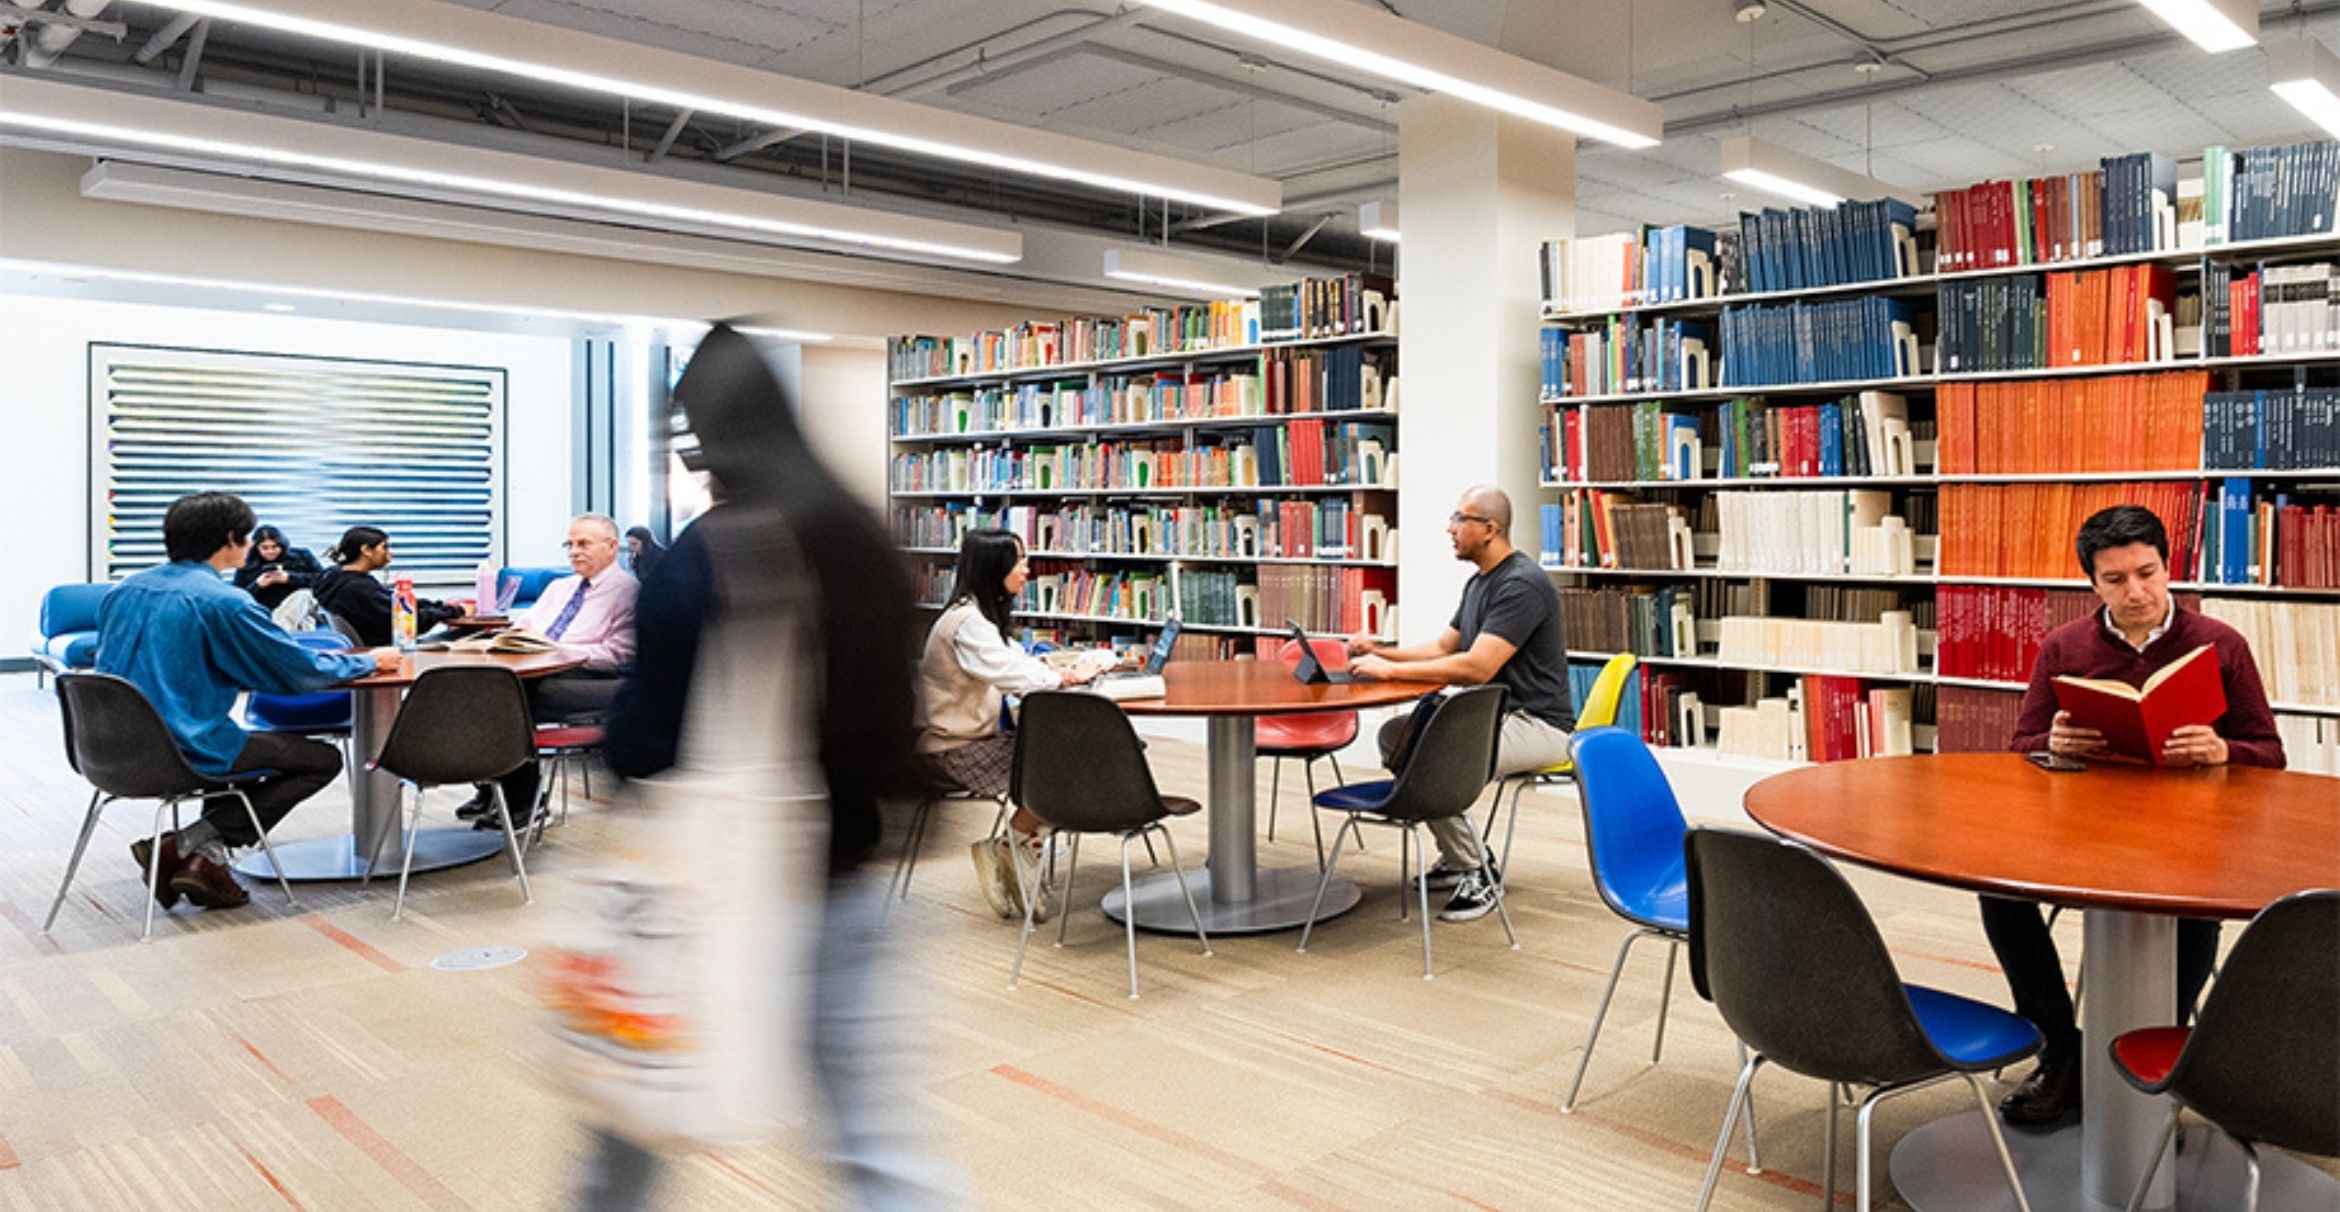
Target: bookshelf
[1232,480]
[2252,504]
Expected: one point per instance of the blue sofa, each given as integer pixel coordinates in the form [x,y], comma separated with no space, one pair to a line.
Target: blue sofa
[67,638]
[532,583]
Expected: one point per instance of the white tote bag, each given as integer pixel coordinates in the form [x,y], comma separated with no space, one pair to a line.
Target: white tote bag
[681,991]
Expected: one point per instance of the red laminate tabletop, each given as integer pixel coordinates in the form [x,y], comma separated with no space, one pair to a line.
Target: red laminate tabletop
[2220,841]
[1262,688]
[413,664]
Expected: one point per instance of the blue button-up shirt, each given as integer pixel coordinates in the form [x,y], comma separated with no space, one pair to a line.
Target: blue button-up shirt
[192,642]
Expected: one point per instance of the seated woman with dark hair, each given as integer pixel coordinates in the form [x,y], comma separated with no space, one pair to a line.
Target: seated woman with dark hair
[275,571]
[351,593]
[968,664]
[642,551]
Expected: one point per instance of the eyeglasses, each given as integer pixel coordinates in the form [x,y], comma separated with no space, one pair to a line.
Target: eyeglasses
[1457,519]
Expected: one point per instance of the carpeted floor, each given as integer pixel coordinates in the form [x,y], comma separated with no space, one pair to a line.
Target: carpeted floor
[313,1059]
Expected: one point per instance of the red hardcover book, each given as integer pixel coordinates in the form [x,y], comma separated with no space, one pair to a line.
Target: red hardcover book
[2137,720]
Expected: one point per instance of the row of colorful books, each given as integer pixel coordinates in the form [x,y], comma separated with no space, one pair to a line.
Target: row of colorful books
[1306,453]
[2139,422]
[1773,249]
[2091,317]
[1663,354]
[1342,601]
[1867,434]
[1310,529]
[2270,309]
[1864,338]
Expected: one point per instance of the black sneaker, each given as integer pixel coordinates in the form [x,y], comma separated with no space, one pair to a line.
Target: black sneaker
[1441,877]
[486,822]
[475,808]
[1473,898]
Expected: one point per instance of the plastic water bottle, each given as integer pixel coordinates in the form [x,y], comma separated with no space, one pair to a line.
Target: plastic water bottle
[483,600]
[402,614]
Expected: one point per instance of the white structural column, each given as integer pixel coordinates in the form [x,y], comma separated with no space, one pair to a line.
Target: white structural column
[1480,192]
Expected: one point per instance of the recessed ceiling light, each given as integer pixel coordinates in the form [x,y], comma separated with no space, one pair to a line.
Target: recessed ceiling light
[2303,73]
[491,42]
[1364,39]
[2213,25]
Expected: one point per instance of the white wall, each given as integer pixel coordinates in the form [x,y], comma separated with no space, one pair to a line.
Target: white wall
[44,409]
[843,409]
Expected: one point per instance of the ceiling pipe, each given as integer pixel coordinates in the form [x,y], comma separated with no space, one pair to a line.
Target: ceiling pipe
[165,38]
[42,48]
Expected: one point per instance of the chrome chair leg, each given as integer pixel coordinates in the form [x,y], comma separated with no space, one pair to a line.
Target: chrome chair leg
[1192,910]
[1494,880]
[253,814]
[1422,890]
[406,864]
[1511,828]
[1072,866]
[154,869]
[1405,843]
[89,822]
[1129,917]
[1990,1116]
[1600,1013]
[1275,782]
[1315,823]
[906,863]
[512,843]
[390,821]
[1324,880]
[2169,1129]
[1022,940]
[1722,1140]
[2250,1154]
[1861,1143]
[1754,1159]
[1657,1050]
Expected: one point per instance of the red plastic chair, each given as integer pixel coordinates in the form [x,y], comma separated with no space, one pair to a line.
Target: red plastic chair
[559,746]
[1320,734]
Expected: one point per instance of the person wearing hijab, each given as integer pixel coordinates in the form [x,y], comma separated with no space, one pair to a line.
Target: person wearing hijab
[789,555]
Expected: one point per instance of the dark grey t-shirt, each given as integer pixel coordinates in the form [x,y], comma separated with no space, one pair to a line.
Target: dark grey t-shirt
[1515,602]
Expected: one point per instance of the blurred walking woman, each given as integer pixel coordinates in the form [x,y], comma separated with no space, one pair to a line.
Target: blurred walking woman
[968,665]
[774,674]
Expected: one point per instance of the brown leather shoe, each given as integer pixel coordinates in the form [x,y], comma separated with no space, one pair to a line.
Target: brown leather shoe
[208,884]
[2047,1096]
[143,851]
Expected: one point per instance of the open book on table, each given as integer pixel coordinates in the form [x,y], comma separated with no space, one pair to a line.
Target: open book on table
[2136,720]
[511,639]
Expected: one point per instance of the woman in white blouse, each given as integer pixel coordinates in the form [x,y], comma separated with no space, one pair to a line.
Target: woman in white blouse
[968,665]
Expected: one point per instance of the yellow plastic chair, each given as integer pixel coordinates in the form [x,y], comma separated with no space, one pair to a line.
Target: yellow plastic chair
[1600,711]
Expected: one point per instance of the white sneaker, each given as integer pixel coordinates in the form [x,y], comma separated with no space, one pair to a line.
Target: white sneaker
[1029,853]
[993,873]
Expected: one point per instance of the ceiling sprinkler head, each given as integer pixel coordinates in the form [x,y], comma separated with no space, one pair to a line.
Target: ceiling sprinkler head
[1870,66]
[1747,10]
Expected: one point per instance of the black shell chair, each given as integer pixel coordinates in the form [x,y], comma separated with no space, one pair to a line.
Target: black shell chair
[1783,947]
[1450,761]
[459,724]
[116,740]
[1080,767]
[2262,1062]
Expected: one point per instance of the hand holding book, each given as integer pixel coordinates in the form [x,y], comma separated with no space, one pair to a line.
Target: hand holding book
[2166,721]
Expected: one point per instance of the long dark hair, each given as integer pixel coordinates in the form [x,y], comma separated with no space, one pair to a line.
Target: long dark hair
[262,534]
[777,495]
[354,541]
[986,557]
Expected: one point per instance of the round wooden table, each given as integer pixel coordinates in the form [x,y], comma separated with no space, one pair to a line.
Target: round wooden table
[1237,895]
[2135,848]
[373,795]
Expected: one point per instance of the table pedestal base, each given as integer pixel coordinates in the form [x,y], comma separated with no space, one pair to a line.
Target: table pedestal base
[1280,898]
[1949,1166]
[335,858]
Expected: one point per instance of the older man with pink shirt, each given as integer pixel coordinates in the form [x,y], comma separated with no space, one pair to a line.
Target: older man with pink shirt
[589,614]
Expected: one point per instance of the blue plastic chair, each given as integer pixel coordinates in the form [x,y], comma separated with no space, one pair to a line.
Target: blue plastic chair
[66,638]
[327,713]
[1782,946]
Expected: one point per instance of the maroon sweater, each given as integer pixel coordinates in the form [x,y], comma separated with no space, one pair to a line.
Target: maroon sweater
[2083,648]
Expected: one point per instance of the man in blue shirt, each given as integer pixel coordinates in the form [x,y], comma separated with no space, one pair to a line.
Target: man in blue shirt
[191,642]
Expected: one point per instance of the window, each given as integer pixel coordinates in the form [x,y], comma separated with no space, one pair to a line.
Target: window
[315,445]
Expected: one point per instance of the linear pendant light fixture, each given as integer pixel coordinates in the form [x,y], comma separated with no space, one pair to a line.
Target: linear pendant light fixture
[1178,273]
[2305,74]
[1792,174]
[1378,221]
[1364,39]
[155,130]
[452,35]
[2213,25]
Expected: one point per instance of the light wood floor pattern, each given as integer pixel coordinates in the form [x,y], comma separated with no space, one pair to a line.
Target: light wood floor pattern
[312,1059]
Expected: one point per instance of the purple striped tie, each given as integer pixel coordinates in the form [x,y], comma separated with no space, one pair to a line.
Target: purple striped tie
[568,613]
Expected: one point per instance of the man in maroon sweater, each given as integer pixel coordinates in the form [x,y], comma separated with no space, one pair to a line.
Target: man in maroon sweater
[2125,553]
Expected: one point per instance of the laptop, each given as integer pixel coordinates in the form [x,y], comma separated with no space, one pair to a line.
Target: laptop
[1147,682]
[1311,671]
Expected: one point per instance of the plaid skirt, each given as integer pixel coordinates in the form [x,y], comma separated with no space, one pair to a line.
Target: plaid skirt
[982,767]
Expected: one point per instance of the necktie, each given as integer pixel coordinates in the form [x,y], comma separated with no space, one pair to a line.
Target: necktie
[568,613]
